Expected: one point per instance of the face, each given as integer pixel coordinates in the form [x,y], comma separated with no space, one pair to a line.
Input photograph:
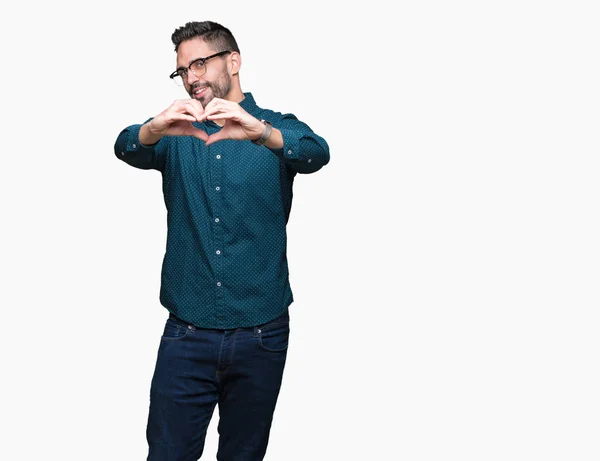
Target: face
[216,81]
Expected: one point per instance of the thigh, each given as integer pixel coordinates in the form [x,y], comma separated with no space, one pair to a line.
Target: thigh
[250,388]
[183,393]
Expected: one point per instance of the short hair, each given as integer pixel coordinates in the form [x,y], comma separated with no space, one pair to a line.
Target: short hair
[217,36]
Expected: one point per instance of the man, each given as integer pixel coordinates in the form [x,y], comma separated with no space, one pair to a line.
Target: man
[228,168]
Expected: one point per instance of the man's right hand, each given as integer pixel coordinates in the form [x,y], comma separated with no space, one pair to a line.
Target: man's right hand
[175,121]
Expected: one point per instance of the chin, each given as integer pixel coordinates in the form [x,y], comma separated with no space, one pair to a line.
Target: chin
[204,99]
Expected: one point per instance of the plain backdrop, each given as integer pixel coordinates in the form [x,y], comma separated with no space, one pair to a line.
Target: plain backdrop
[445,263]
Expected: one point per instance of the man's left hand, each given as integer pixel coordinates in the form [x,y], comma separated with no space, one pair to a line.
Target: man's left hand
[239,124]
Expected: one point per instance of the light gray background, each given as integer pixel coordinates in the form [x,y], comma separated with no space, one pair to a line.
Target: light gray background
[445,263]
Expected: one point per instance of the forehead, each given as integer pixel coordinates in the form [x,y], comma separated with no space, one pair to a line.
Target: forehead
[192,49]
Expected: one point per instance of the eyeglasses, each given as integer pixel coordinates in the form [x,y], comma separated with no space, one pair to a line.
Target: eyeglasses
[197,66]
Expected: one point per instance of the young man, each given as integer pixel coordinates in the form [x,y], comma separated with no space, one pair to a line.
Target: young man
[228,168]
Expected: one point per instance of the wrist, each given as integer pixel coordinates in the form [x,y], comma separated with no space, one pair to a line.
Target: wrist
[266,134]
[147,136]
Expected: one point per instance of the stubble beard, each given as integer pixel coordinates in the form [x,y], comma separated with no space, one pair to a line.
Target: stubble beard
[217,89]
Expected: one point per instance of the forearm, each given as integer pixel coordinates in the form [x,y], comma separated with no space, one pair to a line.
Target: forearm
[275,140]
[297,145]
[132,151]
[302,151]
[148,138]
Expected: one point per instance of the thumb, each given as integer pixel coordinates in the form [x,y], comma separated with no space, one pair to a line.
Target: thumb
[218,136]
[198,133]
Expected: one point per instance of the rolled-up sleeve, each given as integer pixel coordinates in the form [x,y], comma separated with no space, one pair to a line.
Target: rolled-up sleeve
[303,150]
[129,149]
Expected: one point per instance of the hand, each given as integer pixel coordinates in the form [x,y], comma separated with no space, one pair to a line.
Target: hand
[177,120]
[239,124]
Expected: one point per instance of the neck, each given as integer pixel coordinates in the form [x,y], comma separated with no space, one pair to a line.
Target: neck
[236,94]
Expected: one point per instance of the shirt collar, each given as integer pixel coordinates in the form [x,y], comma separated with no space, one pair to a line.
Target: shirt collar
[248,102]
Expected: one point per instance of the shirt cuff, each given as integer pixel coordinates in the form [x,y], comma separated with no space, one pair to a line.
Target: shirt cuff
[291,146]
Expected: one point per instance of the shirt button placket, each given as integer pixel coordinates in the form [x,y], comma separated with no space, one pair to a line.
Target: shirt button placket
[216,177]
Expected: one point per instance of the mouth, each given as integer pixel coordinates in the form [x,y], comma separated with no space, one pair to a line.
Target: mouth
[199,91]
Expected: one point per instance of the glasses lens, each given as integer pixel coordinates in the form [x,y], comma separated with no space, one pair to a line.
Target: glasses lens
[199,67]
[177,79]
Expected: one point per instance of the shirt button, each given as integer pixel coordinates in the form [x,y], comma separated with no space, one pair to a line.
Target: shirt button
[133,145]
[218,284]
[216,219]
[218,252]
[290,152]
[217,188]
[309,160]
[122,153]
[218,156]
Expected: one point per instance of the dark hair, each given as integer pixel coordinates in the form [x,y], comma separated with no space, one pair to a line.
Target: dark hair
[218,37]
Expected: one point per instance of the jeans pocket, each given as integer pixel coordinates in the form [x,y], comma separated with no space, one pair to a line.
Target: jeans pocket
[274,337]
[174,331]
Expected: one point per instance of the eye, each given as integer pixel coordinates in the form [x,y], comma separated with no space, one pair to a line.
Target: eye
[182,72]
[198,64]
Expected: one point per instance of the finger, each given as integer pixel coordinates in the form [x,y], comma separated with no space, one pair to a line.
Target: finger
[199,108]
[209,109]
[214,113]
[185,117]
[174,117]
[226,109]
[217,104]
[178,105]
[197,104]
[218,136]
[222,112]
[196,110]
[189,130]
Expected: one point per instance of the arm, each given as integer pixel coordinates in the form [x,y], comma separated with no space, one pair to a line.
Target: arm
[129,149]
[141,146]
[291,140]
[298,146]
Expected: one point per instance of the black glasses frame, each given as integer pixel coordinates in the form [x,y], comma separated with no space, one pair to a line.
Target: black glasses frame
[182,71]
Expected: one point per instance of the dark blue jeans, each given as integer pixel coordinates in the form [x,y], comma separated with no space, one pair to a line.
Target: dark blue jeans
[240,370]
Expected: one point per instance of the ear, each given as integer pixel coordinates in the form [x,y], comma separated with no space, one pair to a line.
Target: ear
[235,62]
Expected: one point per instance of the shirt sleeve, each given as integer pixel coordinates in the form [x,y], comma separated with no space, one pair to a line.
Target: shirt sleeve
[303,150]
[129,149]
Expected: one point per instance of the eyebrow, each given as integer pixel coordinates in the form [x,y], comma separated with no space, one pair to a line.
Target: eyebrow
[184,68]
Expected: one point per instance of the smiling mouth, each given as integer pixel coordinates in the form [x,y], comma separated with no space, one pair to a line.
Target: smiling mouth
[198,91]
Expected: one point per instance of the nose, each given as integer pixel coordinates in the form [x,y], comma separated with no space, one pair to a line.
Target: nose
[190,77]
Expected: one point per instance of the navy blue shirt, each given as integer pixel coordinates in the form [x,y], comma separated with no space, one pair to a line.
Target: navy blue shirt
[228,204]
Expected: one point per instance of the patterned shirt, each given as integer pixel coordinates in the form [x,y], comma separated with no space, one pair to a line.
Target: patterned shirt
[228,204]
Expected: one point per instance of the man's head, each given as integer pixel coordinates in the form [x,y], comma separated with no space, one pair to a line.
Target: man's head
[216,77]
[215,35]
